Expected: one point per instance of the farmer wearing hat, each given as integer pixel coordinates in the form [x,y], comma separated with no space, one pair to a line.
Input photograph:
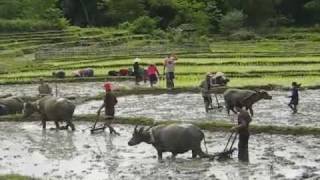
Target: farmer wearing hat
[136,70]
[109,102]
[168,69]
[294,97]
[205,91]
[44,88]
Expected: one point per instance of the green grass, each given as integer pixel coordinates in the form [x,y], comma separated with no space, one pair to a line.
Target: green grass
[16,177]
[275,60]
[190,71]
[212,125]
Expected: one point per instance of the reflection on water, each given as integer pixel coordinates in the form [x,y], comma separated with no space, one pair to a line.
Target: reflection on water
[26,149]
[53,144]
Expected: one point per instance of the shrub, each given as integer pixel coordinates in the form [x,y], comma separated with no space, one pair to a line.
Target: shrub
[19,25]
[158,33]
[143,25]
[243,34]
[232,21]
[124,25]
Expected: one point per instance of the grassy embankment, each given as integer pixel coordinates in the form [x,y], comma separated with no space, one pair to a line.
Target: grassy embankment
[278,59]
[214,125]
[16,177]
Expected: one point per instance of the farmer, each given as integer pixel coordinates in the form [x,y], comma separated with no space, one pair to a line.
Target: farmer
[136,70]
[44,88]
[152,74]
[205,91]
[108,104]
[168,69]
[242,129]
[294,97]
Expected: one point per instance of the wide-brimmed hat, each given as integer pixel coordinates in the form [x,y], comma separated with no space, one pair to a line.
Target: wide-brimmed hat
[296,84]
[208,74]
[218,74]
[137,60]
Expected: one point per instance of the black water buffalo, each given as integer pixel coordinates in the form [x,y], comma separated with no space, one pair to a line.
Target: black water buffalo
[51,109]
[59,74]
[174,138]
[11,105]
[243,98]
[113,73]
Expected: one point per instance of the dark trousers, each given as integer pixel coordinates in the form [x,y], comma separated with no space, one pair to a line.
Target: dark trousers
[169,78]
[243,153]
[293,105]
[207,102]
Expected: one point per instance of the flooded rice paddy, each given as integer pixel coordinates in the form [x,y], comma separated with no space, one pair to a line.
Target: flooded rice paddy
[27,149]
[65,89]
[190,107]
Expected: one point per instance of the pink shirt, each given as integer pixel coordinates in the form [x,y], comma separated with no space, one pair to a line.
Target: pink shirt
[152,70]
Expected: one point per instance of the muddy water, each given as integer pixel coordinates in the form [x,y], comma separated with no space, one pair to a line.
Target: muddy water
[65,89]
[189,107]
[26,149]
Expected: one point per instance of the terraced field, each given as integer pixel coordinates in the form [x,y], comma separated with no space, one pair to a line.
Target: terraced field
[247,63]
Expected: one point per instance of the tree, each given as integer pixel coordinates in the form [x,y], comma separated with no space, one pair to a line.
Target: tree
[258,11]
[163,10]
[232,21]
[313,7]
[214,15]
[10,9]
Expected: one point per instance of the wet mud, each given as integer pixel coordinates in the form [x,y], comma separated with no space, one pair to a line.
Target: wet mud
[190,107]
[28,150]
[82,89]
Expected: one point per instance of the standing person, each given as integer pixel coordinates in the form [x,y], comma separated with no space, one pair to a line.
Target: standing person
[136,70]
[109,102]
[168,69]
[44,88]
[294,97]
[205,91]
[152,74]
[242,129]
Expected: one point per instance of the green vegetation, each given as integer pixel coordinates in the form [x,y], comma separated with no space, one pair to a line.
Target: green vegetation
[270,60]
[214,125]
[16,177]
[243,72]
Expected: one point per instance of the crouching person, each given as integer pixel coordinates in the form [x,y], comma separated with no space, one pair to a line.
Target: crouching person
[242,129]
[44,88]
[108,104]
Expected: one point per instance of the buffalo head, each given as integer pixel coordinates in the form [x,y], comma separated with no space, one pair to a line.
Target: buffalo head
[264,95]
[28,109]
[139,135]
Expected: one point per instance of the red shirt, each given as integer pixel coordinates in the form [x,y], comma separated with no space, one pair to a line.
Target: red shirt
[152,70]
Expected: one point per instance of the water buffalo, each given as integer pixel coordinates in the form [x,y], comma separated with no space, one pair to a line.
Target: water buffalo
[174,138]
[87,72]
[59,74]
[243,98]
[3,110]
[11,105]
[113,73]
[51,109]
